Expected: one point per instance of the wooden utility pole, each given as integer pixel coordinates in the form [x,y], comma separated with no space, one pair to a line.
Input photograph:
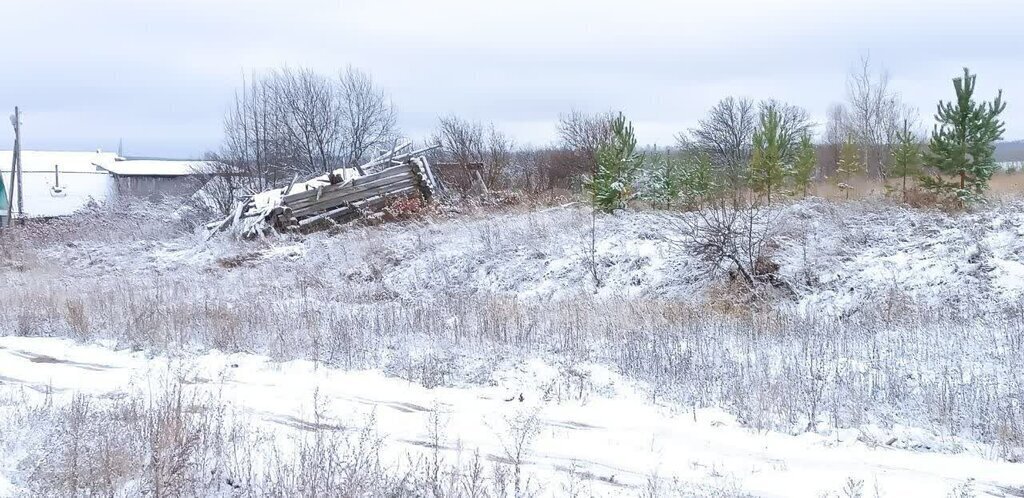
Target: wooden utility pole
[15,170]
[21,192]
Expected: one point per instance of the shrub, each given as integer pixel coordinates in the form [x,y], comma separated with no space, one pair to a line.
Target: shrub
[617,165]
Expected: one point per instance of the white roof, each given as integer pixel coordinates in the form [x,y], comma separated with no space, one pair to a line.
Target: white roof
[67,162]
[155,167]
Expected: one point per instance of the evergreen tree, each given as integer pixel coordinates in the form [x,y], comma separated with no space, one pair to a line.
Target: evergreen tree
[849,165]
[772,148]
[963,141]
[698,178]
[906,157]
[803,165]
[617,165]
[665,180]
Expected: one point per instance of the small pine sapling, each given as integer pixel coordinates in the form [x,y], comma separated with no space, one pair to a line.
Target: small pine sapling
[698,179]
[963,142]
[768,165]
[849,166]
[618,162]
[804,164]
[665,180]
[906,157]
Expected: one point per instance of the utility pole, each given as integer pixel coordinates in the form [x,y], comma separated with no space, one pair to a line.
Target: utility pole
[21,193]
[15,169]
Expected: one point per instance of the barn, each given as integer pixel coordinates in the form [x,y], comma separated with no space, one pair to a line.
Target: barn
[58,183]
[155,176]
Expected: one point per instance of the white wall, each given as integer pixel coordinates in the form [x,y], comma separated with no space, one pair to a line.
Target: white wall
[78,189]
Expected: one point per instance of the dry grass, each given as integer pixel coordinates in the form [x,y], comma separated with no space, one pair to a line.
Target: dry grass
[1002,185]
[862,188]
[1007,184]
[895,362]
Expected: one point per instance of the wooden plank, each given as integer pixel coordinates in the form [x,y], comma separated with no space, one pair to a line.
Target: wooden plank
[323,216]
[371,203]
[334,194]
[352,197]
[14,168]
[333,190]
[384,157]
[400,158]
[393,171]
[384,173]
[425,164]
[290,185]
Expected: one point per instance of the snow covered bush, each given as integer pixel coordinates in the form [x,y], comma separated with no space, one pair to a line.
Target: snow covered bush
[734,237]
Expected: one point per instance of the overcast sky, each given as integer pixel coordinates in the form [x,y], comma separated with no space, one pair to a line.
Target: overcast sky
[159,74]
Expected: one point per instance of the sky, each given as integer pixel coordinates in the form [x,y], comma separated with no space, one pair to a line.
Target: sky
[159,75]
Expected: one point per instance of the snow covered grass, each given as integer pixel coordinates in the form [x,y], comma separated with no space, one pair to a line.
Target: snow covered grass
[92,420]
[906,333]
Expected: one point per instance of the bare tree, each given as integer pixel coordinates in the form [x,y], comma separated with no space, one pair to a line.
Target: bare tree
[462,141]
[726,135]
[795,120]
[582,135]
[545,169]
[836,134]
[873,114]
[500,157]
[246,146]
[291,122]
[303,105]
[585,132]
[366,116]
[474,146]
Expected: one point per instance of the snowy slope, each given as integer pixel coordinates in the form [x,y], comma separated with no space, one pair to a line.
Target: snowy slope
[867,253]
[455,293]
[836,258]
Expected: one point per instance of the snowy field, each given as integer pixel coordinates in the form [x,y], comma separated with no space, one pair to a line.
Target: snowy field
[476,354]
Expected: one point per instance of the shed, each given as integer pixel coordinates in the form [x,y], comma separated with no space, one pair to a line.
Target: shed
[148,176]
[59,183]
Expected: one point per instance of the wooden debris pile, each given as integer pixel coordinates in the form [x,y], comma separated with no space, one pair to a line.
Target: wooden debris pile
[337,197]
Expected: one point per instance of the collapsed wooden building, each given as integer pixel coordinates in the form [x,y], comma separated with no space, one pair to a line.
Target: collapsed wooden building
[340,196]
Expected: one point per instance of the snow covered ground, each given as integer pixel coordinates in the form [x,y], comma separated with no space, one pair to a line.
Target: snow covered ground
[838,256]
[897,367]
[609,436]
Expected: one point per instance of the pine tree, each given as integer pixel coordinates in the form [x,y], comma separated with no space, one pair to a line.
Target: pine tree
[849,165]
[963,141]
[698,179]
[768,165]
[665,180]
[803,165]
[617,165]
[906,157]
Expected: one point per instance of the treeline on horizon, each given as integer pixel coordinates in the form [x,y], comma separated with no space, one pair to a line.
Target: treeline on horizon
[286,123]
